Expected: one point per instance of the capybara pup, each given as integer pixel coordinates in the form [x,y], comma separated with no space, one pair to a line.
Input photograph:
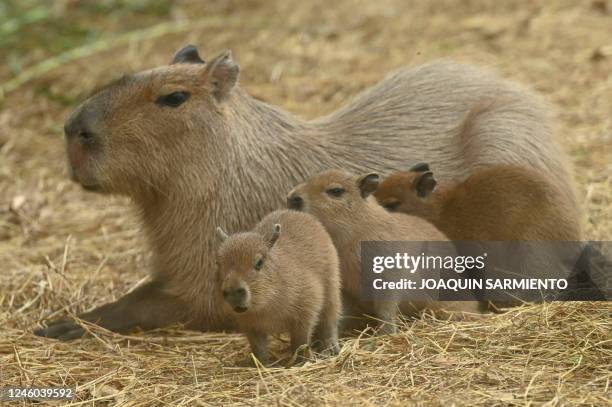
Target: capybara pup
[193,150]
[282,277]
[344,205]
[504,202]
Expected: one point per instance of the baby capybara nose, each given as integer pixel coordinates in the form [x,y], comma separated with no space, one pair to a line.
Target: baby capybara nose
[234,295]
[236,298]
[295,202]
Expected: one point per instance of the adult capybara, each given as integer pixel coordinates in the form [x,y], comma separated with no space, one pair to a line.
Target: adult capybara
[503,202]
[194,150]
[282,277]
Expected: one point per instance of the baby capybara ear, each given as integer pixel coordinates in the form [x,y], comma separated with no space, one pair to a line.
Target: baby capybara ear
[424,184]
[275,234]
[368,183]
[187,55]
[222,234]
[222,75]
[419,167]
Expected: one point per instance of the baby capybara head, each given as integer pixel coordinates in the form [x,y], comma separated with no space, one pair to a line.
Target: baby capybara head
[332,194]
[127,137]
[407,191]
[244,269]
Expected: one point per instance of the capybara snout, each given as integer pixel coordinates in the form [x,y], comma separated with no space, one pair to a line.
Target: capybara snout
[83,143]
[237,296]
[80,126]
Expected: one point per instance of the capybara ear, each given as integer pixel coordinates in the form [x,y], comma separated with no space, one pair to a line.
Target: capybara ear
[368,183]
[187,55]
[222,75]
[222,234]
[275,234]
[425,184]
[419,167]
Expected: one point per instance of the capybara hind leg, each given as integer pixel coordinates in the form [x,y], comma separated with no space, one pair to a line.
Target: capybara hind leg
[386,312]
[325,338]
[300,336]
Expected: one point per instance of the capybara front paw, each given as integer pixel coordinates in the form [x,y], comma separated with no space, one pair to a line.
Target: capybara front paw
[64,330]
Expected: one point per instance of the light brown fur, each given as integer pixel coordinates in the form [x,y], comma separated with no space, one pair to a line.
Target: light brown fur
[355,216]
[496,203]
[297,289]
[226,158]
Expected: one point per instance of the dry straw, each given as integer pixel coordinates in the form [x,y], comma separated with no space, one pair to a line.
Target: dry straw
[63,250]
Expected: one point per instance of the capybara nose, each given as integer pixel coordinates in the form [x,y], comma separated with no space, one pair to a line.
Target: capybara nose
[77,127]
[236,298]
[295,202]
[235,295]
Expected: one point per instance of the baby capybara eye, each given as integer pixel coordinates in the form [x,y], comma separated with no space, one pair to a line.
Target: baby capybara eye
[392,206]
[174,99]
[335,192]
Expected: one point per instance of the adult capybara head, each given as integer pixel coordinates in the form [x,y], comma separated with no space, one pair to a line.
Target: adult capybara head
[245,269]
[332,194]
[127,138]
[407,191]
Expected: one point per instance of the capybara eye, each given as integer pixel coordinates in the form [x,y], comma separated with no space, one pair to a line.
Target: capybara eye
[335,192]
[174,99]
[86,137]
[392,206]
[259,264]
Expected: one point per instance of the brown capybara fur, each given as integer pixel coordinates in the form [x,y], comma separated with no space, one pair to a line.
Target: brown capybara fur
[193,150]
[343,204]
[282,277]
[503,202]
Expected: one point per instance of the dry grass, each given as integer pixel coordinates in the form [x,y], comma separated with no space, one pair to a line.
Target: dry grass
[65,250]
[554,354]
